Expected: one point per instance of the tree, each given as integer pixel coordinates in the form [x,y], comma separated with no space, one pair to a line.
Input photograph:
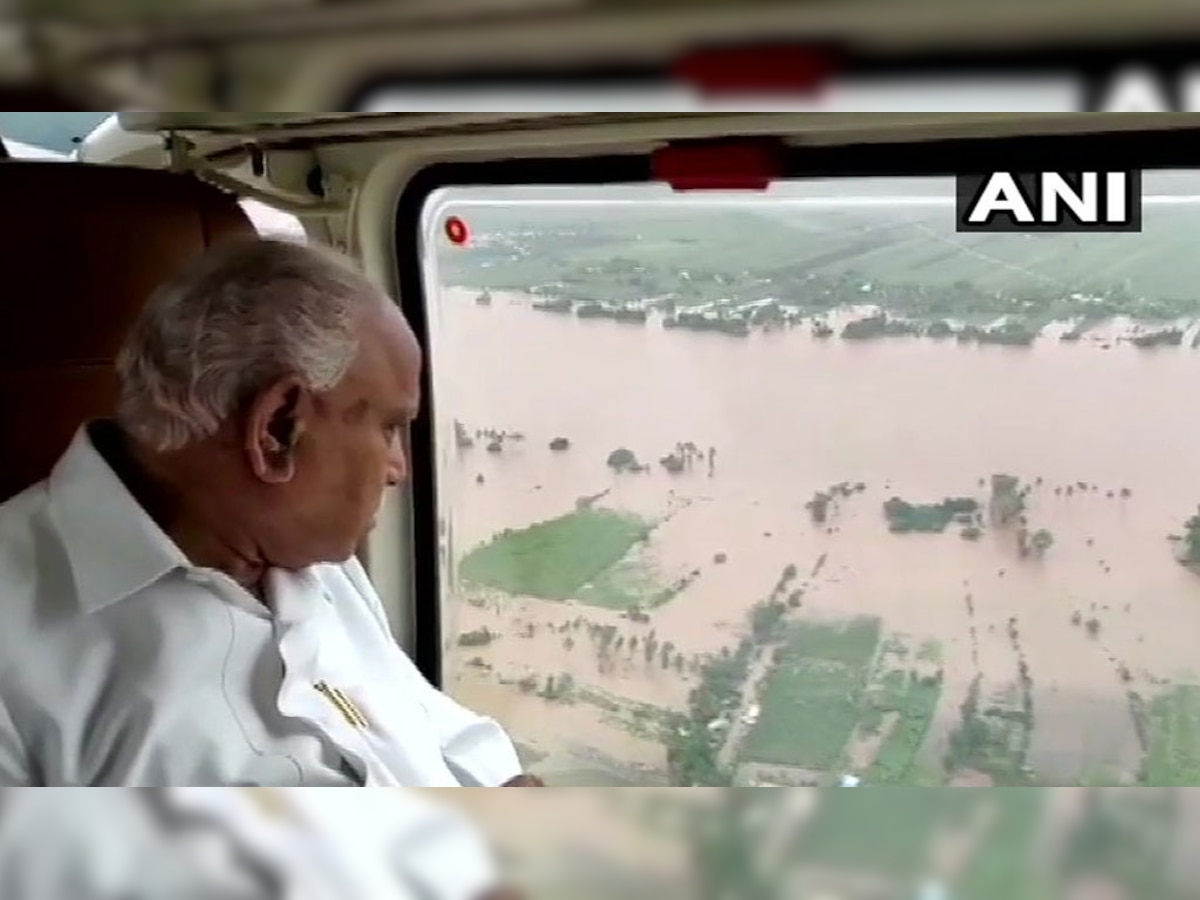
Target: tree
[818,507]
[1041,541]
[622,459]
[1191,538]
[1007,503]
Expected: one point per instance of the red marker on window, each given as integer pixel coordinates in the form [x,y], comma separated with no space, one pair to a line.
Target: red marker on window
[457,231]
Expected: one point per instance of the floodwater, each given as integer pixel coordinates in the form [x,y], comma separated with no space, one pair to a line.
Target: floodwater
[789,415]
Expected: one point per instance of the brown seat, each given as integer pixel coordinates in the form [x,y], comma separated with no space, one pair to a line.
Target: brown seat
[81,248]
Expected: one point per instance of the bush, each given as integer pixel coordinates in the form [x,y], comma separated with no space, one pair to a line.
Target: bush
[622,459]
[480,637]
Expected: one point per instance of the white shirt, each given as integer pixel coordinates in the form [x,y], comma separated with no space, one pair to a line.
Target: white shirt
[352,845]
[123,664]
[110,845]
[235,844]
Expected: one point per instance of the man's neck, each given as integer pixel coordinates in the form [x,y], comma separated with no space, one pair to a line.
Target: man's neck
[164,486]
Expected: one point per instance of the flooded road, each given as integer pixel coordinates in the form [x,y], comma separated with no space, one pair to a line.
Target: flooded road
[789,415]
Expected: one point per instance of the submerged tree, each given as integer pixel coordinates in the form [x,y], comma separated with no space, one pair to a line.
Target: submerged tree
[1041,541]
[818,507]
[1191,541]
[622,459]
[1007,501]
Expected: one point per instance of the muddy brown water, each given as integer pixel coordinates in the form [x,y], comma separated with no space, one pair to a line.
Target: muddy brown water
[789,415]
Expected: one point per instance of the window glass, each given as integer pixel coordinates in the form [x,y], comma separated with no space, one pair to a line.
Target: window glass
[46,135]
[806,487]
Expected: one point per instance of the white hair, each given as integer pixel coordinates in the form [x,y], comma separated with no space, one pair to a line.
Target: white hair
[245,314]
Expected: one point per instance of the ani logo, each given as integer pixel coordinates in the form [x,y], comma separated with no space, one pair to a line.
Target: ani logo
[1049,201]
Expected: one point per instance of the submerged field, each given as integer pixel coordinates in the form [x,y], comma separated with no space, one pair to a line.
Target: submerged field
[1007,512]
[689,641]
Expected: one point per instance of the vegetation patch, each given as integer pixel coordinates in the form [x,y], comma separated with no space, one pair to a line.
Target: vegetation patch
[1173,759]
[931,651]
[931,518]
[887,833]
[810,709]
[768,270]
[895,715]
[1189,550]
[992,740]
[630,582]
[692,745]
[852,643]
[811,697]
[553,560]
[999,868]
[642,720]
[480,637]
[914,703]
[696,738]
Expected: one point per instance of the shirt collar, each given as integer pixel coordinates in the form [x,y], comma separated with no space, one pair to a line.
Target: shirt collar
[114,548]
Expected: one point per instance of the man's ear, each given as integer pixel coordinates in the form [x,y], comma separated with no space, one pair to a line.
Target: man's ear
[274,425]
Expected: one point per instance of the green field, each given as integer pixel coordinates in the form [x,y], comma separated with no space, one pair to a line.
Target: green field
[1173,759]
[554,559]
[811,255]
[992,735]
[1000,868]
[634,580]
[851,643]
[889,832]
[811,698]
[885,831]
[915,699]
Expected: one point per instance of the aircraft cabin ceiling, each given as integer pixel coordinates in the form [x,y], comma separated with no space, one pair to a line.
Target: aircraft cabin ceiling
[310,55]
[213,133]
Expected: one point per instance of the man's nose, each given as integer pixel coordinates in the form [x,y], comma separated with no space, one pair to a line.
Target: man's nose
[397,470]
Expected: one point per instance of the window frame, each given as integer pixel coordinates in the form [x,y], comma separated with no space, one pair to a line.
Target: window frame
[1137,149]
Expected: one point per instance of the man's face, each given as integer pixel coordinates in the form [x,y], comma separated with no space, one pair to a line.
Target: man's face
[351,446]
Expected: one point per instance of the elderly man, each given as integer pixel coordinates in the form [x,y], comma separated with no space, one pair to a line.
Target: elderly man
[182,605]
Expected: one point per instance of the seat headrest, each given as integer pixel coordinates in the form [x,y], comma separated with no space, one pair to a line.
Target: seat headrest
[81,249]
